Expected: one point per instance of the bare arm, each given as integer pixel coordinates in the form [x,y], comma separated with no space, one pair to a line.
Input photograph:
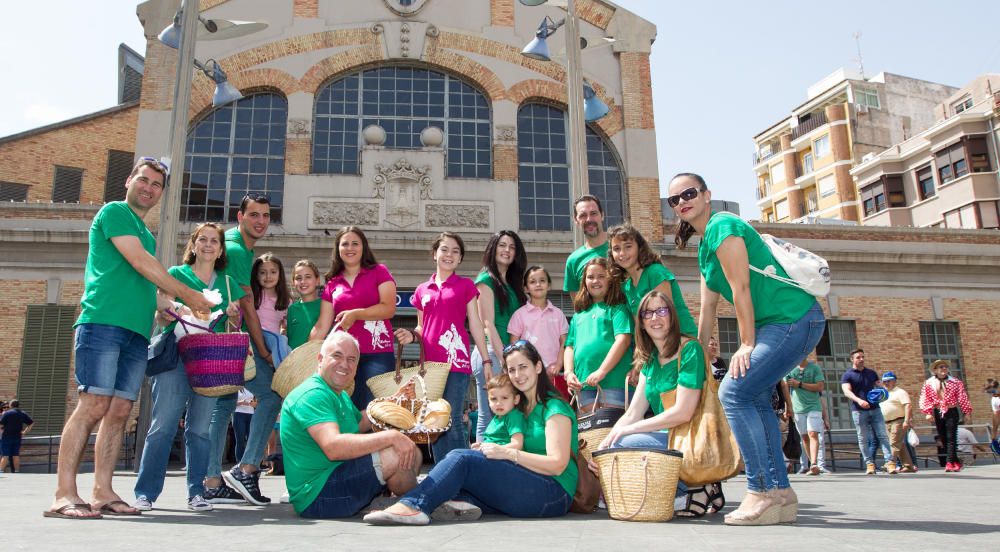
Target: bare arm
[615,354]
[383,310]
[846,388]
[348,446]
[558,439]
[323,323]
[487,315]
[706,316]
[476,327]
[569,370]
[732,253]
[145,264]
[516,442]
[27,428]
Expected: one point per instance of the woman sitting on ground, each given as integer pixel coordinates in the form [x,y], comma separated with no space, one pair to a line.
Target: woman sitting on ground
[536,482]
[672,375]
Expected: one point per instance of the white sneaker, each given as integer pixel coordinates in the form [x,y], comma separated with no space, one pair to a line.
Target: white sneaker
[197,503]
[285,499]
[143,504]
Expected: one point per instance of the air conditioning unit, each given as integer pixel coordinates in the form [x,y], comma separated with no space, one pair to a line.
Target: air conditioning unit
[860,108]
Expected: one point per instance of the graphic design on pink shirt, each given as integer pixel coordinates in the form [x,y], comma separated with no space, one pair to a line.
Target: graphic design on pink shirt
[444,311]
[374,336]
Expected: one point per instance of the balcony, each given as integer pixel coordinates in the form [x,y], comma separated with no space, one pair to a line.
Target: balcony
[765,152]
[815,121]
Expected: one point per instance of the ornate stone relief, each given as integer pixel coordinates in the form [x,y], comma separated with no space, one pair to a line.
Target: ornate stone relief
[334,214]
[451,216]
[405,8]
[404,40]
[403,187]
[299,127]
[506,134]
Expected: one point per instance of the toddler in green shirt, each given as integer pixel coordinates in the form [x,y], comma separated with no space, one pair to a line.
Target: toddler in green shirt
[507,426]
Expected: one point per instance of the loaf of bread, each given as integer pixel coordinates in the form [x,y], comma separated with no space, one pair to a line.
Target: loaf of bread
[394,415]
[438,414]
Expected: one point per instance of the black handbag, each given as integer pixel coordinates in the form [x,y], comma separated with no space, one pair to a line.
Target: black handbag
[162,355]
[793,443]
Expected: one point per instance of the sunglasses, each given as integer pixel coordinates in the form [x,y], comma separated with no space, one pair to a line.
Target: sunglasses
[515,346]
[257,197]
[155,163]
[662,312]
[686,195]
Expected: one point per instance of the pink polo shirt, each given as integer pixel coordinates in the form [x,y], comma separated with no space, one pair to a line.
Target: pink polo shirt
[444,310]
[540,327]
[270,319]
[374,336]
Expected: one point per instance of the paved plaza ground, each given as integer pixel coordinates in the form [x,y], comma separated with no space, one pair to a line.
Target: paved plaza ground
[930,510]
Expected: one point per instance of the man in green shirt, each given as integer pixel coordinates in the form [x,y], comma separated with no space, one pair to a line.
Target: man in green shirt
[333,468]
[588,214]
[112,336]
[806,385]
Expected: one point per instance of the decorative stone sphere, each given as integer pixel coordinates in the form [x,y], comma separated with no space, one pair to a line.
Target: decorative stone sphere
[374,135]
[432,137]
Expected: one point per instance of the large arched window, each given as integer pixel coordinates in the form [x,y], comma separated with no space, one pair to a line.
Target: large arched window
[403,101]
[543,171]
[236,149]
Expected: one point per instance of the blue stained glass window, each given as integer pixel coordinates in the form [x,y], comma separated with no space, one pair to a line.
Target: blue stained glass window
[404,101]
[235,149]
[543,171]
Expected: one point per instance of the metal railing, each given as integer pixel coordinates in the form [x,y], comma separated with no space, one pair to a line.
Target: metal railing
[815,121]
[40,453]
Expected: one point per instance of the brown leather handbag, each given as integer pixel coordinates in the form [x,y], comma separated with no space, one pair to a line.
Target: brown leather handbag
[588,487]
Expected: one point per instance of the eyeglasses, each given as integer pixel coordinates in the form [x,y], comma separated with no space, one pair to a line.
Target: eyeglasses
[686,195]
[156,164]
[662,312]
[517,345]
[257,197]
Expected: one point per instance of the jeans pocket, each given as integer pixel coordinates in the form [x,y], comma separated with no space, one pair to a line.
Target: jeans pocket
[816,329]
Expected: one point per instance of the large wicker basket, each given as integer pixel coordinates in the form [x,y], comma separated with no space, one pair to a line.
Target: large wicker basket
[297,367]
[434,374]
[214,362]
[406,397]
[639,484]
[594,422]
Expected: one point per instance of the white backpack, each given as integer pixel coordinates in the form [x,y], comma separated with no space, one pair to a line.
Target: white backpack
[806,270]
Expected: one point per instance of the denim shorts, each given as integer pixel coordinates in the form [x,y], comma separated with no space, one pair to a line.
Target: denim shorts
[10,446]
[350,487]
[110,361]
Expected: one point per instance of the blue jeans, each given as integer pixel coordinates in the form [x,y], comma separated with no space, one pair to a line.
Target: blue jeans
[653,440]
[241,431]
[778,349]
[495,486]
[350,487]
[110,361]
[369,366]
[485,415]
[172,395]
[870,425]
[261,425]
[457,436]
[609,397]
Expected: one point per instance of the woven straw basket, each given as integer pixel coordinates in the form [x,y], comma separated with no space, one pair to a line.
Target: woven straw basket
[639,484]
[417,406]
[213,362]
[434,375]
[297,367]
[594,423]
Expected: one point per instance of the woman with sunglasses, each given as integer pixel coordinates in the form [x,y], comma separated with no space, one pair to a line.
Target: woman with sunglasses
[779,324]
[536,482]
[671,365]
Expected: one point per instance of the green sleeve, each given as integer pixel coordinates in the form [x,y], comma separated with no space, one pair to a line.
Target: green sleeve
[484,278]
[658,274]
[691,369]
[314,407]
[515,422]
[571,336]
[726,225]
[621,319]
[555,407]
[571,282]
[118,221]
[815,374]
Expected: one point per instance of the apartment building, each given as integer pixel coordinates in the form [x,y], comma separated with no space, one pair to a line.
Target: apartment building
[945,176]
[802,163]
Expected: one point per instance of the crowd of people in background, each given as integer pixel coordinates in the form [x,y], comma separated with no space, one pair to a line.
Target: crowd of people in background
[632,334]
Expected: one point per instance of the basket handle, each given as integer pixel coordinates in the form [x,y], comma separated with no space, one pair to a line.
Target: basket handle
[184,323]
[239,323]
[645,483]
[398,377]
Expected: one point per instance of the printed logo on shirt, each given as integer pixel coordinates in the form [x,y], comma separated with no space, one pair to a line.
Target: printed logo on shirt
[379,333]
[424,300]
[337,292]
[451,340]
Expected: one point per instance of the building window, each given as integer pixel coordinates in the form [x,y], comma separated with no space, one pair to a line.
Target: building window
[821,146]
[236,149]
[833,356]
[867,97]
[781,209]
[778,172]
[729,337]
[807,162]
[961,106]
[885,192]
[12,191]
[989,214]
[979,158]
[827,185]
[951,163]
[119,167]
[940,341]
[812,204]
[543,171]
[66,185]
[403,101]
[925,182]
[45,365]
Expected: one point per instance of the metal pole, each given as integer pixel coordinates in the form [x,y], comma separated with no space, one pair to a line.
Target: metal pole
[577,127]
[166,239]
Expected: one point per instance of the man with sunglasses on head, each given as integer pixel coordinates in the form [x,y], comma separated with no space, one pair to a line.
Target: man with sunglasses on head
[588,214]
[111,339]
[253,220]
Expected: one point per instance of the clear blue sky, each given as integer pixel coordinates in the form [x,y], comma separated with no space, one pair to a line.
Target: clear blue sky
[722,70]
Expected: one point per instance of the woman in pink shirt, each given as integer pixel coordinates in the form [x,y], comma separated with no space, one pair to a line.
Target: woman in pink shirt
[360,296]
[444,303]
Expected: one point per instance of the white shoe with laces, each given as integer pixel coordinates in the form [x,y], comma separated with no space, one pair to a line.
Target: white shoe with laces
[143,504]
[197,503]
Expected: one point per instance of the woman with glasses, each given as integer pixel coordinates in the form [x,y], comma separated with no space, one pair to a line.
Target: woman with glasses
[504,262]
[671,366]
[779,324]
[536,482]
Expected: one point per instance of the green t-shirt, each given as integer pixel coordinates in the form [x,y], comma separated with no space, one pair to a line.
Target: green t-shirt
[307,468]
[591,334]
[534,437]
[774,302]
[239,257]
[652,276]
[113,292]
[666,377]
[575,263]
[502,428]
[302,317]
[501,316]
[185,273]
[804,400]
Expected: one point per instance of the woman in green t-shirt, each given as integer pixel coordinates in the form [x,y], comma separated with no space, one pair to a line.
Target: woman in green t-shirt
[779,325]
[204,262]
[504,261]
[671,366]
[536,482]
